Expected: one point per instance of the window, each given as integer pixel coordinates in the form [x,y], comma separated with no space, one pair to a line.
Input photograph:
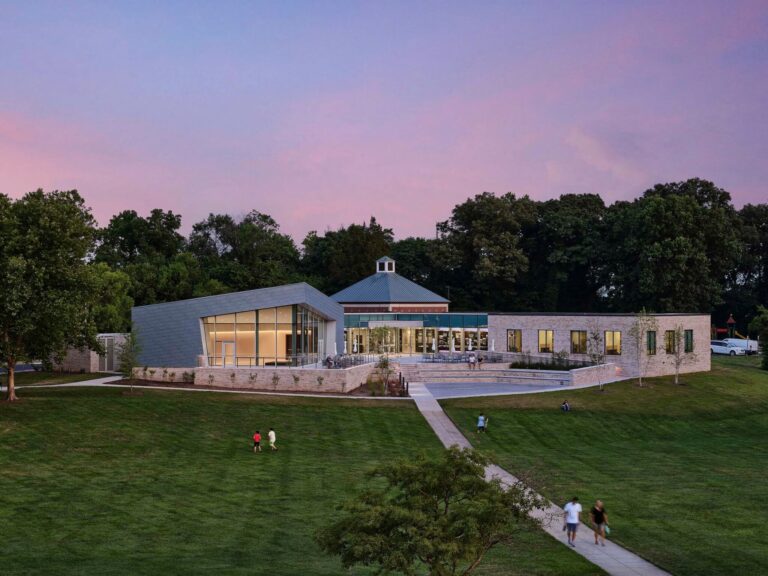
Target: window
[650,339]
[578,341]
[514,340]
[612,343]
[670,342]
[688,341]
[546,341]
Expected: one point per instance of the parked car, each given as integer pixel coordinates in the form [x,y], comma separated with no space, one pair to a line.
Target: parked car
[750,346]
[723,347]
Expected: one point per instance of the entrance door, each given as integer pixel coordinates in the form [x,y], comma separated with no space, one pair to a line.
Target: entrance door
[228,353]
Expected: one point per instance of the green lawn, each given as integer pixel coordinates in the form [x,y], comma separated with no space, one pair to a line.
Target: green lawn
[682,469]
[95,482]
[41,378]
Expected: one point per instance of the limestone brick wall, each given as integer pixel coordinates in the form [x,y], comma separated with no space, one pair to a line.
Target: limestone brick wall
[594,374]
[630,362]
[79,361]
[276,379]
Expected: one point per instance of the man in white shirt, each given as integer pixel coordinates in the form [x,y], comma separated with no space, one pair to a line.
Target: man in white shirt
[272,439]
[572,518]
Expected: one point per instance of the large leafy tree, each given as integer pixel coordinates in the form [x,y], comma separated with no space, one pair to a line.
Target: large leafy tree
[440,514]
[131,239]
[482,252]
[244,254]
[47,291]
[671,250]
[563,249]
[341,257]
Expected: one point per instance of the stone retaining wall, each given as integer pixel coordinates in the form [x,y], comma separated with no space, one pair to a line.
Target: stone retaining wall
[275,379]
[595,374]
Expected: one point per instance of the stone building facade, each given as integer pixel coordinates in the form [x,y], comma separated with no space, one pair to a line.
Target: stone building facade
[649,345]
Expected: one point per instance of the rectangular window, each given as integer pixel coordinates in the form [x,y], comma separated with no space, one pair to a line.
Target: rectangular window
[546,341]
[578,341]
[650,338]
[670,343]
[688,341]
[612,343]
[514,340]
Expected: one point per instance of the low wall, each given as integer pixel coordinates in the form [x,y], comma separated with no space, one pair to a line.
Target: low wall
[594,374]
[278,379]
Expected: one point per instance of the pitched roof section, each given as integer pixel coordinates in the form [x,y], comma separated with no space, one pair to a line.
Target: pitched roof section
[387,287]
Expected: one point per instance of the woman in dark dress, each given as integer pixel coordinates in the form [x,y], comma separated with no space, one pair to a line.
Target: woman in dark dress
[599,519]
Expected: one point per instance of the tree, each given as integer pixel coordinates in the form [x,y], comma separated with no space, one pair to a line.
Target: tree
[642,324]
[113,305]
[671,250]
[244,254]
[47,291]
[342,257]
[439,514]
[759,325]
[480,248]
[676,346]
[130,238]
[129,355]
[595,348]
[564,255]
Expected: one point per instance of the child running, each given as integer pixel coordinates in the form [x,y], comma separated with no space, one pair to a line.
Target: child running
[257,441]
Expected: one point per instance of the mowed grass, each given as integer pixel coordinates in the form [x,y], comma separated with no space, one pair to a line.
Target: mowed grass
[46,378]
[683,470]
[95,482]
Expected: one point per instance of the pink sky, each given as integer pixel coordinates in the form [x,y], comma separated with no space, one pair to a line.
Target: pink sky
[322,114]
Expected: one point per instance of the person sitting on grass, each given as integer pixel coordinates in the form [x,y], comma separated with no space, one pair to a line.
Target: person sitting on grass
[565,407]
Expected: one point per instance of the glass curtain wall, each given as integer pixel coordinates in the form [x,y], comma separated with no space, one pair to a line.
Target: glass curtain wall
[418,340]
[284,336]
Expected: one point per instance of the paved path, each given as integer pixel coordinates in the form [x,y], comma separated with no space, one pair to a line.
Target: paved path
[472,389]
[612,558]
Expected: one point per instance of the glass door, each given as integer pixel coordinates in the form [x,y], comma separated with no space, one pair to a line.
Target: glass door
[228,353]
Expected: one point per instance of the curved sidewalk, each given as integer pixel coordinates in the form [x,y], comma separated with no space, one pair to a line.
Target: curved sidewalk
[612,558]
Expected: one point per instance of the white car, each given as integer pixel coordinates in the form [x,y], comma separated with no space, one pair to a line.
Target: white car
[723,347]
[750,346]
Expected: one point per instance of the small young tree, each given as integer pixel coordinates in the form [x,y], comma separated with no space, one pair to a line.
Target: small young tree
[129,356]
[595,349]
[384,370]
[379,337]
[638,332]
[441,515]
[680,356]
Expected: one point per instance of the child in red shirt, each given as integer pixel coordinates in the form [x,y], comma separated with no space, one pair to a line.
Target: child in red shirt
[257,442]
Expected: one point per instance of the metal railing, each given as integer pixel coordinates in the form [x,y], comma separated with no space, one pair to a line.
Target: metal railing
[348,360]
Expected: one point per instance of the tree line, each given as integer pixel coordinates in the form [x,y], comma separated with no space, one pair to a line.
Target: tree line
[679,247]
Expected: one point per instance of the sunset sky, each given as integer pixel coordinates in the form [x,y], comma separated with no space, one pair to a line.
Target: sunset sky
[325,113]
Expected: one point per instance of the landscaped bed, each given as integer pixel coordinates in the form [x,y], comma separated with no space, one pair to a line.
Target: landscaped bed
[682,469]
[94,482]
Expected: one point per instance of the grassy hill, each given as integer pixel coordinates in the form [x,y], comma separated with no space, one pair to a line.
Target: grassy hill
[681,469]
[94,482]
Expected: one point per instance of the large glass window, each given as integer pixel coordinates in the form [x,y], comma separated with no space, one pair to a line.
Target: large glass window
[650,339]
[670,342]
[612,343]
[546,341]
[688,341]
[288,335]
[578,341]
[514,340]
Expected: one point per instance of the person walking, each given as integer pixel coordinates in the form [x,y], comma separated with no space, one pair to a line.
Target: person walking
[272,439]
[599,519]
[572,517]
[257,441]
[482,422]
[472,361]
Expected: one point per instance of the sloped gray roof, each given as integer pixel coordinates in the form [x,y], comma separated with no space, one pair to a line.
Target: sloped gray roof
[386,287]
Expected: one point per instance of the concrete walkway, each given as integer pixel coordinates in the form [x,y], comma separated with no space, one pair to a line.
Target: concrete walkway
[612,558]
